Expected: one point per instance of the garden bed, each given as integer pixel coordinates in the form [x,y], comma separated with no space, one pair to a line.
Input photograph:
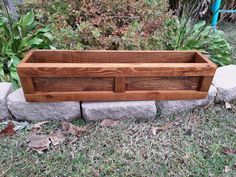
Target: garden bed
[66,75]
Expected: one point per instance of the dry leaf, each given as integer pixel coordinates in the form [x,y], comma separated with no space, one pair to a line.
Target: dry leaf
[40,143]
[73,141]
[109,123]
[38,126]
[228,105]
[154,130]
[227,169]
[56,138]
[8,130]
[72,129]
[229,151]
[161,128]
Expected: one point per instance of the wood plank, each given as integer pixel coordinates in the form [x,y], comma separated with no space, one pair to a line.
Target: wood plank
[114,69]
[120,84]
[29,57]
[111,56]
[107,95]
[160,83]
[200,58]
[27,84]
[205,83]
[74,84]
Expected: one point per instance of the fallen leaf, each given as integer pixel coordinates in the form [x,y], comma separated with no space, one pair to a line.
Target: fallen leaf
[8,130]
[38,126]
[154,130]
[17,125]
[72,129]
[227,169]
[229,151]
[228,105]
[73,141]
[109,123]
[56,138]
[161,128]
[40,143]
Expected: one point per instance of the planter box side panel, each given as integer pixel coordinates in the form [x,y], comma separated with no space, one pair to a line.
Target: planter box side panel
[95,76]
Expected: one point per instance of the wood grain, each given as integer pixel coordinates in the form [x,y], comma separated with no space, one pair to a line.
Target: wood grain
[106,56]
[120,84]
[27,84]
[112,96]
[160,83]
[115,75]
[114,69]
[205,83]
[74,84]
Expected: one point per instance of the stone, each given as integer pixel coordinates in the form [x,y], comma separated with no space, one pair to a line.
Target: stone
[23,110]
[5,90]
[175,106]
[225,82]
[117,110]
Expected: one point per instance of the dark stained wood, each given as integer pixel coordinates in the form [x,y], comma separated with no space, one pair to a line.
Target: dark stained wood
[106,56]
[205,83]
[107,95]
[74,84]
[27,84]
[160,83]
[200,58]
[29,57]
[120,84]
[114,69]
[115,75]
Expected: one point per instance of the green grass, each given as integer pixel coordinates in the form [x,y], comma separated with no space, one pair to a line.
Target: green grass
[193,147]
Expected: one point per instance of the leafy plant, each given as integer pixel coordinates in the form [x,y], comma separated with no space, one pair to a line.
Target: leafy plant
[101,24]
[200,36]
[16,39]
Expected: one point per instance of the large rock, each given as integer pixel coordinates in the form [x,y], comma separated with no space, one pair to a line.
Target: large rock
[93,111]
[5,89]
[23,110]
[225,82]
[170,107]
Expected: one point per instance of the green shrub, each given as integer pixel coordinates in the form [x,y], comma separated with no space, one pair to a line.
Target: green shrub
[133,25]
[16,39]
[185,36]
[102,24]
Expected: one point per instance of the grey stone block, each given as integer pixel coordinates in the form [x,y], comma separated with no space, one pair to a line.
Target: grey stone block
[93,111]
[5,90]
[225,82]
[23,110]
[170,107]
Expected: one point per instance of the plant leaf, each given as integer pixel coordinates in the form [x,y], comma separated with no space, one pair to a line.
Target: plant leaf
[27,19]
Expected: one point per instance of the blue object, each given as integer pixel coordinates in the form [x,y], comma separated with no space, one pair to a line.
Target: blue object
[216,11]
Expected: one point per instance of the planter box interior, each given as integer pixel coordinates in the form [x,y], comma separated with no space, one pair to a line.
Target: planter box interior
[66,75]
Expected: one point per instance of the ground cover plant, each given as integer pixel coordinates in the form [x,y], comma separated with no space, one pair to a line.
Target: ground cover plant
[18,37]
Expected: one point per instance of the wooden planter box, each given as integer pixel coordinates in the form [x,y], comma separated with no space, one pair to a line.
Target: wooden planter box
[64,75]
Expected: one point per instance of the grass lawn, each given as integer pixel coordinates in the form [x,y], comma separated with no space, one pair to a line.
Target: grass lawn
[192,147]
